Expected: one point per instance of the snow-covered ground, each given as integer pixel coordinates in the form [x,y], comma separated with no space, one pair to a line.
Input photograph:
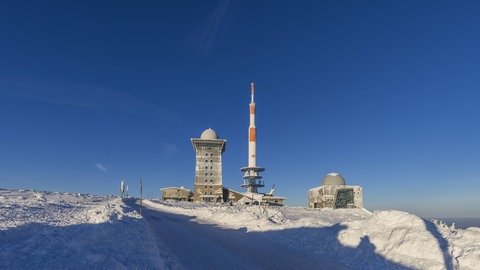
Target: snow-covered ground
[50,230]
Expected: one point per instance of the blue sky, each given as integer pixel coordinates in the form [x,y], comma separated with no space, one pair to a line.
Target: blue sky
[385,93]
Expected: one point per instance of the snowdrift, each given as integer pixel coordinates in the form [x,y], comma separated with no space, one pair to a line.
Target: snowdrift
[351,238]
[51,230]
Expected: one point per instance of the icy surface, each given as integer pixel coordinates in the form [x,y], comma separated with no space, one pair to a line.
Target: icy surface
[49,230]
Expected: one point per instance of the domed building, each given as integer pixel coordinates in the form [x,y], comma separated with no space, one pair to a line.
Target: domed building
[208,186]
[334,193]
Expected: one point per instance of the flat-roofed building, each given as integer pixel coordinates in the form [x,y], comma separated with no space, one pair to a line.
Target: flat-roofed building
[177,194]
[334,193]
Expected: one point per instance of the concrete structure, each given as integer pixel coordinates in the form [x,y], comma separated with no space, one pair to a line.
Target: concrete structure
[177,194]
[251,177]
[334,193]
[208,186]
[251,173]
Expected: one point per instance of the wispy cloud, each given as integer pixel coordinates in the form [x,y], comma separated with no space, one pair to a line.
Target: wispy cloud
[100,167]
[68,93]
[82,95]
[206,37]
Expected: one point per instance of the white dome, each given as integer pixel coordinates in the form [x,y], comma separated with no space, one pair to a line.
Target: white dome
[333,179]
[209,134]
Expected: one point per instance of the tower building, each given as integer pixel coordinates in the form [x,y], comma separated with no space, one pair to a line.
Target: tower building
[251,177]
[208,186]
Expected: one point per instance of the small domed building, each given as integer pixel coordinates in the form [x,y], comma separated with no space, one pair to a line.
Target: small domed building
[334,193]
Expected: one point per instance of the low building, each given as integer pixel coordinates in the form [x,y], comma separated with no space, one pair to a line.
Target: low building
[334,193]
[261,199]
[177,194]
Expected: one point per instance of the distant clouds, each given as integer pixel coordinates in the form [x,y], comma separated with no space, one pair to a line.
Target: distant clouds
[67,93]
[206,37]
[100,167]
[82,95]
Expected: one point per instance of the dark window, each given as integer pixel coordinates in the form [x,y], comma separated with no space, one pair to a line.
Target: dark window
[344,198]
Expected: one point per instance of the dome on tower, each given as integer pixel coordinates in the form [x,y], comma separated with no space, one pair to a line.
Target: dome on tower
[333,179]
[209,134]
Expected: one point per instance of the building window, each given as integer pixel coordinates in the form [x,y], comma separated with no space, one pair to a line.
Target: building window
[210,187]
[206,160]
[211,160]
[205,180]
[211,167]
[211,180]
[210,193]
[211,155]
[210,173]
[206,167]
[206,154]
[206,187]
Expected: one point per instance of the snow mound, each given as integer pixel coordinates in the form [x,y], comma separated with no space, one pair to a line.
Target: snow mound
[351,238]
[51,230]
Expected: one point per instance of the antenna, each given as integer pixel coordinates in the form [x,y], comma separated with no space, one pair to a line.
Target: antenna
[252,86]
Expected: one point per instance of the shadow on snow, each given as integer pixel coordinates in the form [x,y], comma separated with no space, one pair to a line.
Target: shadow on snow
[124,243]
[298,248]
[442,243]
[83,246]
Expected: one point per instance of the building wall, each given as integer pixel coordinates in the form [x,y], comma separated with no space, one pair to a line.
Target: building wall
[328,197]
[232,195]
[179,194]
[208,168]
[208,193]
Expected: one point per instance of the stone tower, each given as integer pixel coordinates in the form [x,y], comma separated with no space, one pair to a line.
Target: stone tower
[208,185]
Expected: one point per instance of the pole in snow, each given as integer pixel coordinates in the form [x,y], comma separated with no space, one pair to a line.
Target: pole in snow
[140,196]
[122,188]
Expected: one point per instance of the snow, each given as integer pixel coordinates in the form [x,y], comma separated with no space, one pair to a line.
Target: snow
[51,230]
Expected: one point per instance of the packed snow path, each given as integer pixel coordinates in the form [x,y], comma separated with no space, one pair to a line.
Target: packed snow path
[205,246]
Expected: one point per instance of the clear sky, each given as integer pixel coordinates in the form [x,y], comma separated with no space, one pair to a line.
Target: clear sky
[384,92]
